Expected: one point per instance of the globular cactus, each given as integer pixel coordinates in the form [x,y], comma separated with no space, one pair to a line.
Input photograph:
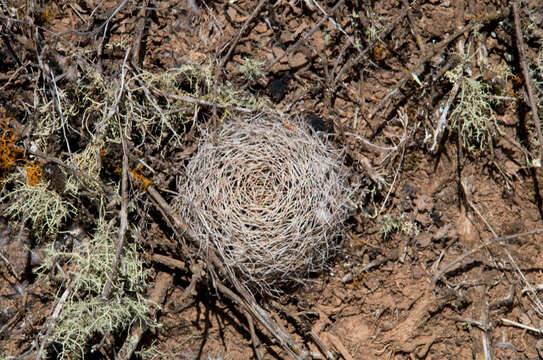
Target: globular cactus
[269,196]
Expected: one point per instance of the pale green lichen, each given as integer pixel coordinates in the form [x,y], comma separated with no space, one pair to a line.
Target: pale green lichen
[85,314]
[43,209]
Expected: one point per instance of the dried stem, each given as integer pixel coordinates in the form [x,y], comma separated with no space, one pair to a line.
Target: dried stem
[137,58]
[52,320]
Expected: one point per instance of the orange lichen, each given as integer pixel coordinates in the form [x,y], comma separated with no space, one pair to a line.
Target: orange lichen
[47,14]
[142,181]
[34,174]
[516,80]
[357,279]
[379,52]
[9,154]
[513,94]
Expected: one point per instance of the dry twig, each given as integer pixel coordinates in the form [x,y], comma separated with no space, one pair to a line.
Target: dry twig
[527,79]
[122,230]
[225,58]
[137,58]
[51,321]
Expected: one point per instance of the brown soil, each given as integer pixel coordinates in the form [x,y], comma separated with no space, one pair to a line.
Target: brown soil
[380,299]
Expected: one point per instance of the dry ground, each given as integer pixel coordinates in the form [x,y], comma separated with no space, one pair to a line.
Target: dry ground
[418,276]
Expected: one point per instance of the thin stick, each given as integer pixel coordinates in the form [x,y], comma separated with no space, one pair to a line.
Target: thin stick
[137,59]
[169,262]
[186,232]
[114,108]
[486,244]
[527,284]
[412,22]
[255,12]
[105,26]
[484,320]
[354,61]
[56,100]
[122,231]
[192,100]
[527,80]
[442,124]
[522,326]
[254,339]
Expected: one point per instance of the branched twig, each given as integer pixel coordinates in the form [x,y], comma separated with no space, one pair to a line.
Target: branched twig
[530,289]
[308,333]
[437,49]
[259,314]
[255,12]
[354,61]
[105,26]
